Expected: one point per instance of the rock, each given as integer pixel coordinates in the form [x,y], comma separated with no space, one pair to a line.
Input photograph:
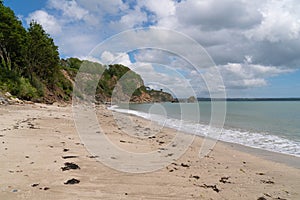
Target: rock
[261,198]
[98,157]
[12,101]
[195,177]
[191,99]
[69,166]
[224,180]
[72,181]
[3,99]
[8,95]
[184,165]
[267,181]
[213,187]
[7,98]
[67,157]
[35,184]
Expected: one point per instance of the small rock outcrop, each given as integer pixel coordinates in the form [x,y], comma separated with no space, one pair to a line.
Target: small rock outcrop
[7,98]
[191,99]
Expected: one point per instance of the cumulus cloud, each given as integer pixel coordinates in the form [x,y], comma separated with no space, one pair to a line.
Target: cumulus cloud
[154,56]
[245,75]
[164,77]
[73,43]
[49,22]
[104,7]
[108,58]
[214,14]
[161,69]
[228,29]
[132,19]
[70,9]
[160,8]
[265,32]
[157,74]
[280,22]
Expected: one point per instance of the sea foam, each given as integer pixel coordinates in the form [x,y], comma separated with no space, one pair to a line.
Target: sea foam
[260,140]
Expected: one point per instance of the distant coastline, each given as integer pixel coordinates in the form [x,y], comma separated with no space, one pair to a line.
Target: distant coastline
[248,99]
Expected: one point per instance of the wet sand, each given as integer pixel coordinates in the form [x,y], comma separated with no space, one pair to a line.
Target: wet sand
[42,157]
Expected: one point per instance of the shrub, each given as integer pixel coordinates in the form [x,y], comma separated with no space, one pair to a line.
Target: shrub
[40,87]
[25,90]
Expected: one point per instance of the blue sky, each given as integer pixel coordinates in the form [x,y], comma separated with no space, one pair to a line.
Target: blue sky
[255,44]
[24,9]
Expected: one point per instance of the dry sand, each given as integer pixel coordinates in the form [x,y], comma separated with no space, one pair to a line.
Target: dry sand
[35,138]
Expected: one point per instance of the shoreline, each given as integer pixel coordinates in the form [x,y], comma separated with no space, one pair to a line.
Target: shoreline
[280,157]
[287,159]
[38,140]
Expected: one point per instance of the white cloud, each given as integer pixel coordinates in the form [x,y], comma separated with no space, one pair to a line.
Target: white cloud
[49,22]
[280,22]
[153,56]
[74,29]
[107,57]
[161,8]
[244,75]
[169,80]
[133,18]
[214,14]
[73,44]
[250,41]
[116,58]
[257,82]
[229,29]
[176,74]
[69,9]
[103,7]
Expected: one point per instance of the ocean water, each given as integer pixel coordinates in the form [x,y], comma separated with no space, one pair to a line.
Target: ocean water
[269,125]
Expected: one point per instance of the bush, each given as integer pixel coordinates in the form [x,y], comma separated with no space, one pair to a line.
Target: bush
[40,87]
[19,86]
[8,80]
[26,90]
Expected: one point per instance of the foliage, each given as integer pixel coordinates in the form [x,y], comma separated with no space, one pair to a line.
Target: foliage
[18,86]
[64,85]
[72,66]
[12,40]
[128,82]
[26,90]
[8,80]
[40,87]
[29,59]
[42,57]
[73,63]
[30,67]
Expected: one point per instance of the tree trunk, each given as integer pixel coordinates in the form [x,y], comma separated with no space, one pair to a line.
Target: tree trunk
[5,57]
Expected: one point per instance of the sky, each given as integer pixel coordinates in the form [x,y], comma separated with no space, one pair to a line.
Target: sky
[253,45]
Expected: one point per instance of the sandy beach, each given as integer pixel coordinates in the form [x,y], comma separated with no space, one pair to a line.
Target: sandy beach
[42,157]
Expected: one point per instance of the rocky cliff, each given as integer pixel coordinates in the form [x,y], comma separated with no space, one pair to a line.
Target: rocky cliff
[117,83]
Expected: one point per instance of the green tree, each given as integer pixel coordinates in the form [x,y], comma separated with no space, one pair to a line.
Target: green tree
[12,40]
[42,57]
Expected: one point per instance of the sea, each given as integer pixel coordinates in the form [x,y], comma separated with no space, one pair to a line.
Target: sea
[268,125]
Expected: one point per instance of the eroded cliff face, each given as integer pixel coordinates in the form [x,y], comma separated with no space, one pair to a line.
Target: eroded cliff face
[117,84]
[160,96]
[143,98]
[153,96]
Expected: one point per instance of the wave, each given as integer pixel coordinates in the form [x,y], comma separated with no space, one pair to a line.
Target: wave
[260,140]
